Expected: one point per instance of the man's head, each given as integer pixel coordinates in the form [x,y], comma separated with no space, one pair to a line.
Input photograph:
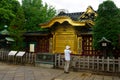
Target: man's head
[67,47]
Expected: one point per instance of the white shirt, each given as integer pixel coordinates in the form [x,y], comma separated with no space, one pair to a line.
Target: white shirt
[67,54]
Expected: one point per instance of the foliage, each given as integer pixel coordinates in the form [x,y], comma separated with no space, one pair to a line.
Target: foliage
[11,14]
[7,11]
[17,29]
[107,24]
[36,13]
[22,18]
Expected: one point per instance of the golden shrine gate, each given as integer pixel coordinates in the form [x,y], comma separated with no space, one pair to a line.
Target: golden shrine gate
[73,29]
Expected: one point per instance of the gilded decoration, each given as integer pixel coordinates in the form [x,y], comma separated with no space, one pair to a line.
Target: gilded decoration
[60,20]
[64,36]
[67,28]
[90,14]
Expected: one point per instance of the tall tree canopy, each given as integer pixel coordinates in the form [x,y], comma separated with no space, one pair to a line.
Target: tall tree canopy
[11,14]
[36,13]
[17,29]
[8,9]
[24,17]
[107,24]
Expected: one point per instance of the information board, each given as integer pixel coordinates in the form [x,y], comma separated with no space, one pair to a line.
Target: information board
[32,47]
[12,53]
[20,53]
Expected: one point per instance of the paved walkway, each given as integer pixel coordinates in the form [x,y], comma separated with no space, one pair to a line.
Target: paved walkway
[18,72]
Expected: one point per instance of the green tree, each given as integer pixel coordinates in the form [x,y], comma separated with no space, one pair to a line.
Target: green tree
[11,14]
[107,24]
[36,13]
[22,18]
[17,29]
[7,11]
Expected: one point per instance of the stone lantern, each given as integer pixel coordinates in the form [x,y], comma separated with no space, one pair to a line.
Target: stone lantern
[104,43]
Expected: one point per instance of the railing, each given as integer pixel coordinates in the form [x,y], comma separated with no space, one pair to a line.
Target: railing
[45,60]
[95,63]
[39,59]
[27,58]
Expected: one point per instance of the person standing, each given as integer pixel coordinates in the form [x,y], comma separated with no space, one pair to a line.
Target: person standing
[67,53]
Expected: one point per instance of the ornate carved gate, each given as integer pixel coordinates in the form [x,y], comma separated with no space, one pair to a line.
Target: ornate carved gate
[64,35]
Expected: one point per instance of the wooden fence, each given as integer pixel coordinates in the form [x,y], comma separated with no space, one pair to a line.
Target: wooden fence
[94,63]
[27,58]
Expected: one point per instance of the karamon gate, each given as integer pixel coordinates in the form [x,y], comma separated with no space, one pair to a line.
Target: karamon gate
[73,29]
[64,35]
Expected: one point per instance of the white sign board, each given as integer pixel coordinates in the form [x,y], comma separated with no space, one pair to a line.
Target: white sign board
[20,53]
[12,53]
[32,47]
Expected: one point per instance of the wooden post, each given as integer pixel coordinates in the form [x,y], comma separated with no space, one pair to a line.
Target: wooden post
[119,64]
[93,62]
[102,63]
[108,68]
[88,59]
[55,60]
[59,60]
[97,62]
[83,62]
[113,64]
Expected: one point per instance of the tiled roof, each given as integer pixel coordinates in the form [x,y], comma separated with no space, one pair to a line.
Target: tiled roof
[74,16]
[89,14]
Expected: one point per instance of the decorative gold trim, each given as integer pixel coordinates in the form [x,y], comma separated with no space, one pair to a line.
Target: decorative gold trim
[89,10]
[60,20]
[90,22]
[79,45]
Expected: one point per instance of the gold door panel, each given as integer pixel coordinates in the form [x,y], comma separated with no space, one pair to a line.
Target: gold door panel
[61,40]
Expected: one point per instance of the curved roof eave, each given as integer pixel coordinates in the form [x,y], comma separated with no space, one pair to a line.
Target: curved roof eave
[60,20]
